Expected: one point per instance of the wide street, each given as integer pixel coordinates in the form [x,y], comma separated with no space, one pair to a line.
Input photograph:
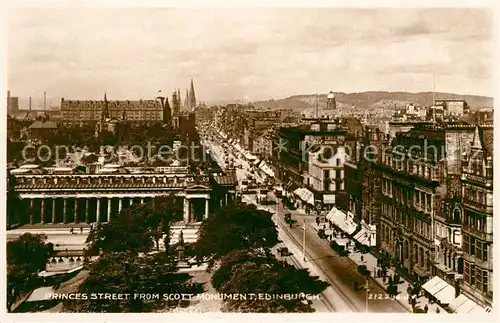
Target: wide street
[339,272]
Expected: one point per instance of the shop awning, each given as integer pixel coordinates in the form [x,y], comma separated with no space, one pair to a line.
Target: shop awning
[329,199]
[441,290]
[446,295]
[364,237]
[256,162]
[238,147]
[250,156]
[341,241]
[341,220]
[463,305]
[305,195]
[266,169]
[434,285]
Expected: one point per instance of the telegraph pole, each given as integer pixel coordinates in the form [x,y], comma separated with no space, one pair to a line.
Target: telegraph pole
[304,242]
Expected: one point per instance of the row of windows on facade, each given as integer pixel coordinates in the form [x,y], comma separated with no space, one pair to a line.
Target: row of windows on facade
[476,277]
[420,200]
[415,224]
[478,221]
[451,235]
[476,195]
[108,180]
[477,168]
[420,258]
[420,169]
[450,259]
[117,114]
[475,247]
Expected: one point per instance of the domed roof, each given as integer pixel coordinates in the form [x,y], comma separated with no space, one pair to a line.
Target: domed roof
[330,95]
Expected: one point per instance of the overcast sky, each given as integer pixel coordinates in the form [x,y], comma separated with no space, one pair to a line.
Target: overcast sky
[247,53]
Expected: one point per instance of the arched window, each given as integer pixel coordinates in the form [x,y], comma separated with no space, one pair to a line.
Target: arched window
[421,257]
[415,253]
[405,250]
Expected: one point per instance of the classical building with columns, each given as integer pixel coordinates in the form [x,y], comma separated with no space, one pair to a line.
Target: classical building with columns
[51,197]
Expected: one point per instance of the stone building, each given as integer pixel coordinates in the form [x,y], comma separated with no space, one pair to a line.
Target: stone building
[477,218]
[76,111]
[56,195]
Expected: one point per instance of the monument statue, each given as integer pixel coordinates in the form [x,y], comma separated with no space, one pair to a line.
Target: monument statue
[181,261]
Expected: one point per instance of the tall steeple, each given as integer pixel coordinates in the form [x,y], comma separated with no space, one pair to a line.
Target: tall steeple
[186,100]
[192,96]
[105,110]
[175,103]
[179,98]
[167,113]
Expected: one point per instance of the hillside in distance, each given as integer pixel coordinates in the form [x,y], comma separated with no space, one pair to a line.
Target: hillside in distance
[373,99]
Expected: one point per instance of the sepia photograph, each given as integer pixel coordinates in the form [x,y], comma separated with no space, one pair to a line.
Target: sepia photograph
[248,159]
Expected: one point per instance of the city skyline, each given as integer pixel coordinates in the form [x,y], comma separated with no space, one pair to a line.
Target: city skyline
[273,53]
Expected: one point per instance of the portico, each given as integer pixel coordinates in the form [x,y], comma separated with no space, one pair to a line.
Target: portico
[56,201]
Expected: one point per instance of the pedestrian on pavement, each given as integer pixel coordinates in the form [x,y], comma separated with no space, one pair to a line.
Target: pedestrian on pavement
[91,226]
[71,230]
[426,308]
[81,228]
[437,310]
[362,258]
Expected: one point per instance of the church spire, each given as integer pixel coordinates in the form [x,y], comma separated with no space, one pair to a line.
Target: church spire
[179,97]
[476,141]
[105,111]
[192,96]
[186,100]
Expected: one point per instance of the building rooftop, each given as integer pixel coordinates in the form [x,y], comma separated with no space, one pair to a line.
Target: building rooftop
[43,125]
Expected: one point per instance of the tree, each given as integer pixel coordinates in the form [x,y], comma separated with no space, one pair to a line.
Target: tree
[253,272]
[136,228]
[26,256]
[15,208]
[127,273]
[234,227]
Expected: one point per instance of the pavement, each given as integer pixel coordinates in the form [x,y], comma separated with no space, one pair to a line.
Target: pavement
[339,272]
[370,261]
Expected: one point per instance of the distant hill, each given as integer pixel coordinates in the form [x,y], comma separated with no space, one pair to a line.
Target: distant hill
[373,99]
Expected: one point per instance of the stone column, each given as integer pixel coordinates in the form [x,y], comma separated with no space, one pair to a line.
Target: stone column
[226,197]
[86,210]
[186,210]
[109,209]
[192,215]
[42,210]
[206,209]
[76,210]
[120,204]
[142,200]
[53,210]
[65,219]
[32,211]
[98,211]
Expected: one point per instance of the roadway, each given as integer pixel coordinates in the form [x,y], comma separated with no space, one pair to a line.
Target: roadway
[321,260]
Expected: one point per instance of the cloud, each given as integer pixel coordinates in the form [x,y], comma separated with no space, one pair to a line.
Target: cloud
[259,53]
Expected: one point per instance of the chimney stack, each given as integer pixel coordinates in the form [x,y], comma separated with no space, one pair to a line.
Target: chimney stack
[30,104]
[44,100]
